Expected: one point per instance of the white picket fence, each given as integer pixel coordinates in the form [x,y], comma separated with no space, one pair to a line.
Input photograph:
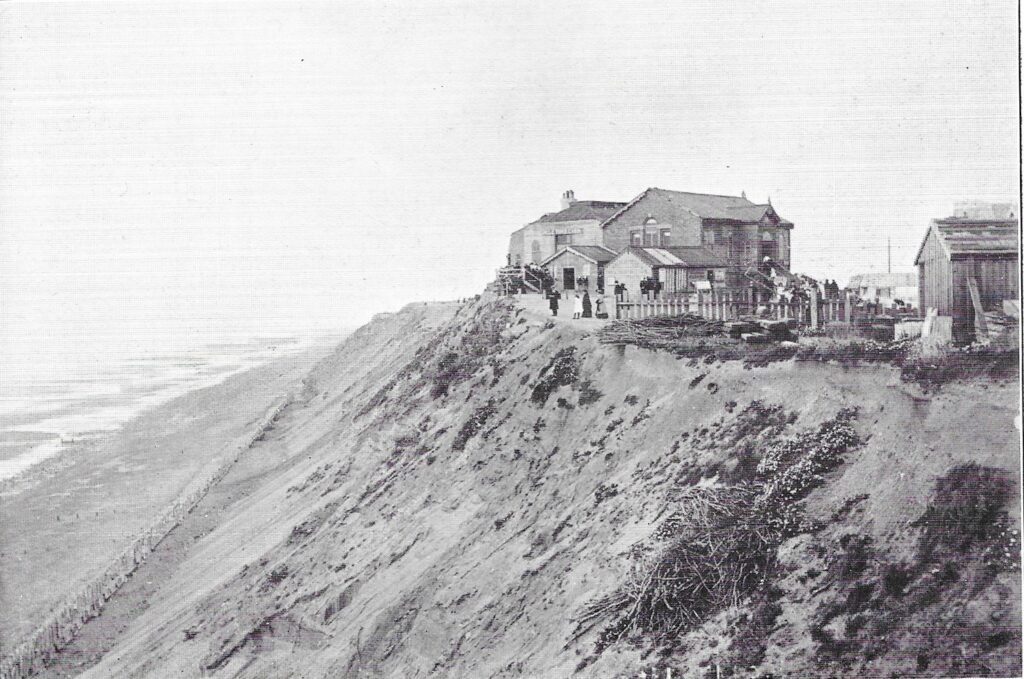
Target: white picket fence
[727,305]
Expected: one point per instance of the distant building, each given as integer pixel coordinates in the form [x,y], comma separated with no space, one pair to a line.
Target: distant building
[577,223]
[886,288]
[579,267]
[967,265]
[678,269]
[737,231]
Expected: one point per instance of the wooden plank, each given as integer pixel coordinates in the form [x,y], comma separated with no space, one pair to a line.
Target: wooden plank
[979,312]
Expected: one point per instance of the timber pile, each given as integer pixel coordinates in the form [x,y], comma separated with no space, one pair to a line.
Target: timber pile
[660,332]
[672,332]
[1002,328]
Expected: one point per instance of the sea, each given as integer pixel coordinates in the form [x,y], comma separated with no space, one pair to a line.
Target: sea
[49,405]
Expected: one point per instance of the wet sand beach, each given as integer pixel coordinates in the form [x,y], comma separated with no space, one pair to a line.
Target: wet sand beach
[65,520]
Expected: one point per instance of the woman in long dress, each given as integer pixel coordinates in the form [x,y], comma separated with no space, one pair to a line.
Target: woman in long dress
[577,306]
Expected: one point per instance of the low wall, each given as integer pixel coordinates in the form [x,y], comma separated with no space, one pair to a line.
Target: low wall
[59,629]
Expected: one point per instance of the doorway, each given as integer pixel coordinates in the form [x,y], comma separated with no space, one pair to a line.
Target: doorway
[568,278]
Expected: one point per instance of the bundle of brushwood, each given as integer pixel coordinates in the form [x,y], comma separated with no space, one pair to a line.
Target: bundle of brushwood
[660,332]
[713,551]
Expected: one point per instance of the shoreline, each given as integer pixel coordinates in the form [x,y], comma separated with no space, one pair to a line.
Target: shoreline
[81,509]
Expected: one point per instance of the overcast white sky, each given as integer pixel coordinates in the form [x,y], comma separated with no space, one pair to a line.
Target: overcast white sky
[284,165]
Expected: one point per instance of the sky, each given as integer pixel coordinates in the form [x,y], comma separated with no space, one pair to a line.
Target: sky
[265,167]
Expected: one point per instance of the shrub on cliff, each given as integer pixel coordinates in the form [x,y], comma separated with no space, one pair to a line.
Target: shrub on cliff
[562,370]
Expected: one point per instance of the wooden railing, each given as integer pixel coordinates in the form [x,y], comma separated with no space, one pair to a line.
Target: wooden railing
[729,305]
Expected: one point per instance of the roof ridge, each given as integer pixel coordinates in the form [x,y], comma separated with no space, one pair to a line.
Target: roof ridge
[713,195]
[628,205]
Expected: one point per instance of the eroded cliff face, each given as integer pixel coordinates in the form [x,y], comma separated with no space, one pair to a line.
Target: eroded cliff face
[460,484]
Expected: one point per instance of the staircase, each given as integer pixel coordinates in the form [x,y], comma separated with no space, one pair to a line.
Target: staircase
[760,280]
[513,278]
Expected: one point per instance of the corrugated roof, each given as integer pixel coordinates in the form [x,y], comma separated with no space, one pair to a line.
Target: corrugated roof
[670,206]
[964,238]
[677,257]
[595,253]
[583,209]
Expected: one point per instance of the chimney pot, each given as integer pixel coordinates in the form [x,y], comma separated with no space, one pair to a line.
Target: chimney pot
[568,198]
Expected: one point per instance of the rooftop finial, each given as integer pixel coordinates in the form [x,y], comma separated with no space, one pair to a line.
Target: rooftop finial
[743,194]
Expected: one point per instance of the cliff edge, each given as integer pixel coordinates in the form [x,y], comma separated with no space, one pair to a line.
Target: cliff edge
[472,491]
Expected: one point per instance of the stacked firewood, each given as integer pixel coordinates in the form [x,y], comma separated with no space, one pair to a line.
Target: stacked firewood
[660,332]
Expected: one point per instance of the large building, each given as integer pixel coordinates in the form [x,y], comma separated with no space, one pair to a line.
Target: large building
[737,231]
[577,223]
[966,266]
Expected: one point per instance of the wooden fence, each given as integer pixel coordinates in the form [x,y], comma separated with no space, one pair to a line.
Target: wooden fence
[730,305]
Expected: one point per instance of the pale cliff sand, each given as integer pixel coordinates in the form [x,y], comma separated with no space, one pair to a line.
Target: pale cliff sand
[73,515]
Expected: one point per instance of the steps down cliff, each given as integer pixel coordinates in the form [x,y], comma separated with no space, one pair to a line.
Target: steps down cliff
[472,491]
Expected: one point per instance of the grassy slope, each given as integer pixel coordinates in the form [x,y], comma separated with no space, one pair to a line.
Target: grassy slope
[414,532]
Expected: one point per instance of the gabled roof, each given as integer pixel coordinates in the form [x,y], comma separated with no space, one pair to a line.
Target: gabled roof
[668,206]
[598,254]
[582,209]
[963,238]
[679,257]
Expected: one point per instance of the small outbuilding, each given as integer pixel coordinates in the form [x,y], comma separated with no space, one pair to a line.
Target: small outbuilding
[579,267]
[967,267]
[679,269]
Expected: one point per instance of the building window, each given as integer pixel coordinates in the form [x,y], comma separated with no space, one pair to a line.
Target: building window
[563,239]
[767,236]
[666,237]
[636,238]
[709,237]
[649,238]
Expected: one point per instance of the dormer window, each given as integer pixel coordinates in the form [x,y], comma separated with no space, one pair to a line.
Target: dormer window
[665,238]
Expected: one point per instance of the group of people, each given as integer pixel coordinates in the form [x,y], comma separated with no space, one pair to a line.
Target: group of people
[582,305]
[831,289]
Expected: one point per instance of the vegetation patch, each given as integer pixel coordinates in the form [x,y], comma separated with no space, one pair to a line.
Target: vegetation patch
[473,425]
[562,370]
[588,394]
[913,616]
[717,547]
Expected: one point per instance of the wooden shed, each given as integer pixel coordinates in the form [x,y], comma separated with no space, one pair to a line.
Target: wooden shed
[675,267]
[968,266]
[579,267]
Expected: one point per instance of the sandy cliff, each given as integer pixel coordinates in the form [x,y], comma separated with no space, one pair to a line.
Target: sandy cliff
[457,487]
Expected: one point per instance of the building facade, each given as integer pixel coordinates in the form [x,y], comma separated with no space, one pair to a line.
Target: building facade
[677,269]
[736,230]
[579,267]
[577,223]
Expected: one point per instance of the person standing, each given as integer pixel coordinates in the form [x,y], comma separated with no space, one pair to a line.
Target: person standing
[577,306]
[599,311]
[553,302]
[587,308]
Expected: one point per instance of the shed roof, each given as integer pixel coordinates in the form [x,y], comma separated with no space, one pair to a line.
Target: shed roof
[595,253]
[680,257]
[669,206]
[963,238]
[581,210]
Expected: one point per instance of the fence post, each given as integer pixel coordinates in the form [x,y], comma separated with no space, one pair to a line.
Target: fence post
[849,309]
[815,324]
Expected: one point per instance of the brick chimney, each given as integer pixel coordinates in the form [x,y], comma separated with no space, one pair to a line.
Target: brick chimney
[568,198]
